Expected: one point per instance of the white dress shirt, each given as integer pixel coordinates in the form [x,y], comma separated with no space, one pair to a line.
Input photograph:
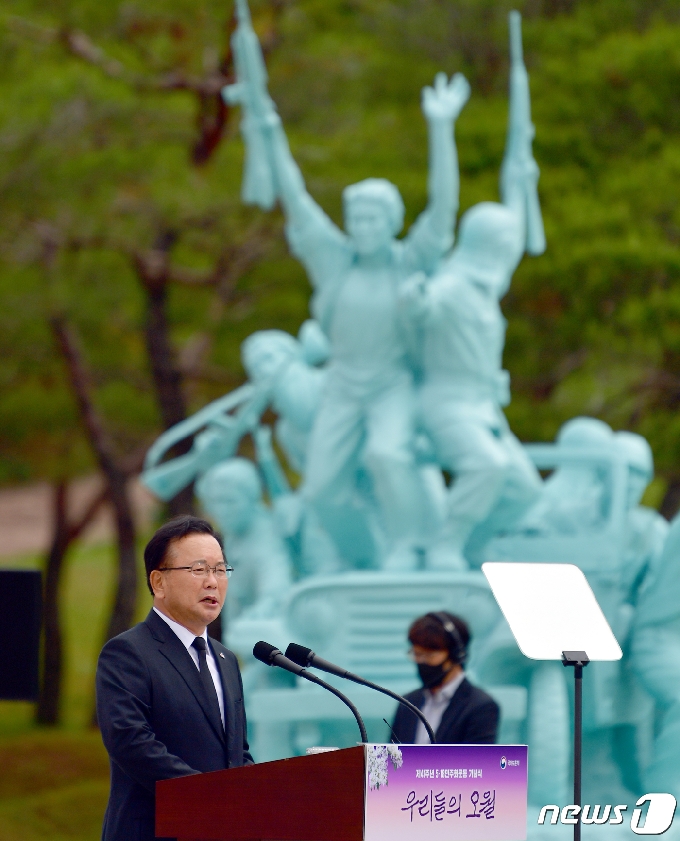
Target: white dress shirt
[186,638]
[433,709]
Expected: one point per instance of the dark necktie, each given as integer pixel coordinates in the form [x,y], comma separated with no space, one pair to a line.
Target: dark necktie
[206,679]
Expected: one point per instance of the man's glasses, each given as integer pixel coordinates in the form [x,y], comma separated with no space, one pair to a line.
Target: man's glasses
[200,569]
[431,657]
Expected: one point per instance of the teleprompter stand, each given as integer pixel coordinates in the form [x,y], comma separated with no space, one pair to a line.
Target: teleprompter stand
[554,615]
[577,659]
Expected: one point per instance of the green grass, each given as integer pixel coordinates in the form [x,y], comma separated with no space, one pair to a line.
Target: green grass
[53,785]
[54,781]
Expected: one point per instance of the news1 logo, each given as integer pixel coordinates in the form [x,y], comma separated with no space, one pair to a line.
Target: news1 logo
[659,817]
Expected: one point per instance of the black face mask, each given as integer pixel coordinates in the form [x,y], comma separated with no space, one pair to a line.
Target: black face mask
[432,676]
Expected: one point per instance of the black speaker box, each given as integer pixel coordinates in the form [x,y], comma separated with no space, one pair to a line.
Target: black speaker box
[20,609]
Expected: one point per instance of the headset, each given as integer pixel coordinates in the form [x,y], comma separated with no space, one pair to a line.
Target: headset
[457,650]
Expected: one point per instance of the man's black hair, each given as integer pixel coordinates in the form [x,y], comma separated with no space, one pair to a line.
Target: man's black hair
[429,632]
[157,548]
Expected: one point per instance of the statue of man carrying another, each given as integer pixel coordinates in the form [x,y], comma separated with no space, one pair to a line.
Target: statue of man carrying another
[462,334]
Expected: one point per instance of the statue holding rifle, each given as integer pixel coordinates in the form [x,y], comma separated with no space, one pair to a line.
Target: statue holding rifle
[366,420]
[284,373]
[462,334]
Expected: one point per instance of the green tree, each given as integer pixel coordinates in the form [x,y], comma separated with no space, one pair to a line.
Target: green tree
[102,190]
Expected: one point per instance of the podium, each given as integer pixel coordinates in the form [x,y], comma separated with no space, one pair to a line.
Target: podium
[306,798]
[365,793]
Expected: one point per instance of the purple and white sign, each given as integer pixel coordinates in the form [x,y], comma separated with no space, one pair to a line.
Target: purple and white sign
[446,792]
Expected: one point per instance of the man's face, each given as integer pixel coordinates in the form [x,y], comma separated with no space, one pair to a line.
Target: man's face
[192,601]
[368,226]
[434,666]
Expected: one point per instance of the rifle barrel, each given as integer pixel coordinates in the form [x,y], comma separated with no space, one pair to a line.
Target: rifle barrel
[516,50]
[242,12]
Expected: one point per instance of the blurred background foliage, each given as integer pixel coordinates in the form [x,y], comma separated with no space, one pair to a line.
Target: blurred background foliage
[102,115]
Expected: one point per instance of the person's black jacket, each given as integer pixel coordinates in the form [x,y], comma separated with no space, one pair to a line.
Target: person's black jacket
[471,718]
[156,722]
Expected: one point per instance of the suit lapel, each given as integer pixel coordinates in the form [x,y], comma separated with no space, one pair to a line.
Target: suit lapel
[455,709]
[173,649]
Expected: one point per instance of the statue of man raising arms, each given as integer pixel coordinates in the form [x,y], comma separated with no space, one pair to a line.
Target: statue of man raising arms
[366,418]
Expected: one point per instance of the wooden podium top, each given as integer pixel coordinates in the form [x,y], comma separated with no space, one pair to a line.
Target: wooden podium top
[306,798]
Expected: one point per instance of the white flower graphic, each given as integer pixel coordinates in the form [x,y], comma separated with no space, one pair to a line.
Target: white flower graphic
[377,763]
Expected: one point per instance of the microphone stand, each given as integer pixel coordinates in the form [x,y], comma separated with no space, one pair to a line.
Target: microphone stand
[296,653]
[272,656]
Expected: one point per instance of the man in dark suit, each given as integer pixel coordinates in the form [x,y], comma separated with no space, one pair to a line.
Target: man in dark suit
[458,712]
[170,700]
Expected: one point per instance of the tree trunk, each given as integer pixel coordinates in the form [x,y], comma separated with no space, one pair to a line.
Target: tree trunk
[116,480]
[50,689]
[671,500]
[167,379]
[125,604]
[166,375]
[64,533]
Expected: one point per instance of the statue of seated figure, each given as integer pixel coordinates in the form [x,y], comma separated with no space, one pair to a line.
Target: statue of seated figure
[653,575]
[655,659]
[575,498]
[581,499]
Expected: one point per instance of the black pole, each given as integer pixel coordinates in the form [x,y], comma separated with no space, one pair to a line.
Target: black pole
[577,659]
[578,743]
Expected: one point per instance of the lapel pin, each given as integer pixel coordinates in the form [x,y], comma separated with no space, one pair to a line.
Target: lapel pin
[221,655]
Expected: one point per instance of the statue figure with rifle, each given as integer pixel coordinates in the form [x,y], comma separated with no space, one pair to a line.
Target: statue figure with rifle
[287,375]
[284,373]
[366,420]
[462,333]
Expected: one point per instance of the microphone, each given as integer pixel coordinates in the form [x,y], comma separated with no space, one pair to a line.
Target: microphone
[306,657]
[270,655]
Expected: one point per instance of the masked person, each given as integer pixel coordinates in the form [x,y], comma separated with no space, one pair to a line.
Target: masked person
[458,712]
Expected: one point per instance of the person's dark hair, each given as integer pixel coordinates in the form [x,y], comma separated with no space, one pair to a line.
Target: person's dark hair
[157,548]
[428,632]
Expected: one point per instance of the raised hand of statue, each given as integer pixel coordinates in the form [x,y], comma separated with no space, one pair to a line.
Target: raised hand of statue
[445,99]
[215,443]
